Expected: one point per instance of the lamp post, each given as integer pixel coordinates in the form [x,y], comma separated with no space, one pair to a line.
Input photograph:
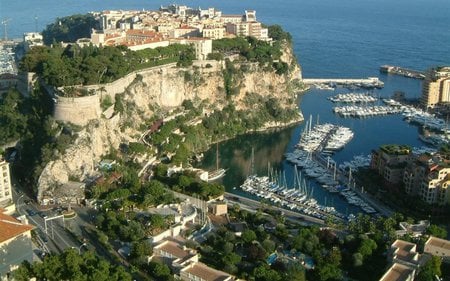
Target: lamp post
[79,248]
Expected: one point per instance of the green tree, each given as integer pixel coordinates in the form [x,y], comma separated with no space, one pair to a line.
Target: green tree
[248,236]
[437,231]
[430,269]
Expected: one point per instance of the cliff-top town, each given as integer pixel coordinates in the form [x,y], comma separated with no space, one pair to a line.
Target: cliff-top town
[114,146]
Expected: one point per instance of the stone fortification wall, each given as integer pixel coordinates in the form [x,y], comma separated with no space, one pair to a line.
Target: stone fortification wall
[78,110]
[164,82]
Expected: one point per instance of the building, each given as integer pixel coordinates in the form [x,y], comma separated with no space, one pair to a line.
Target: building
[201,272]
[32,39]
[438,247]
[5,186]
[213,32]
[399,272]
[184,262]
[174,254]
[405,253]
[436,87]
[390,160]
[428,176]
[218,208]
[15,242]
[405,261]
[184,31]
[414,230]
[202,46]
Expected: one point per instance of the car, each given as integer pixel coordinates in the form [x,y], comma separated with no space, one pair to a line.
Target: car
[43,215]
[31,212]
[27,201]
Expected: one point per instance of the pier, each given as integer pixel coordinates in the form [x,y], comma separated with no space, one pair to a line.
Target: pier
[397,70]
[370,82]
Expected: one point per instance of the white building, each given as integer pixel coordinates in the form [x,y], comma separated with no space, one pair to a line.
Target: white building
[5,185]
[202,46]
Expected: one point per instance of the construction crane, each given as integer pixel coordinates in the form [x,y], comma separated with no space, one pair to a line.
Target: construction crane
[5,23]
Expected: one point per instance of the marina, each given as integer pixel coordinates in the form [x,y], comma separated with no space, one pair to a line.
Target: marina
[7,62]
[353,98]
[358,111]
[324,137]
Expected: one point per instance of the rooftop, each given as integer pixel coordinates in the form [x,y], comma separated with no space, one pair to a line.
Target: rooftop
[405,251]
[438,242]
[173,248]
[11,227]
[397,272]
[396,149]
[206,273]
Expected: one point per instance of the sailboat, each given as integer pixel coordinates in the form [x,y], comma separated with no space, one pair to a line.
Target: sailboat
[219,172]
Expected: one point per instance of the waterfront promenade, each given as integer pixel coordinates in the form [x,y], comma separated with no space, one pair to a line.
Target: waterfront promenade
[351,183]
[253,205]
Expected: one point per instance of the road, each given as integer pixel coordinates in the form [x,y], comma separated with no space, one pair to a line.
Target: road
[57,239]
[252,205]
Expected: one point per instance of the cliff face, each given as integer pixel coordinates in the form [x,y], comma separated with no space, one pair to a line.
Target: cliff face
[147,91]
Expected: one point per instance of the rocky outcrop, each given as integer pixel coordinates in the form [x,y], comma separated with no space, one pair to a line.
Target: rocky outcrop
[144,92]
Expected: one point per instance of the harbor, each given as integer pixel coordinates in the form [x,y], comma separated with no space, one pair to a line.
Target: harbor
[271,147]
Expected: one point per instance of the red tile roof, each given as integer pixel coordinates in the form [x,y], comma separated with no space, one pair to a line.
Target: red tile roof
[11,227]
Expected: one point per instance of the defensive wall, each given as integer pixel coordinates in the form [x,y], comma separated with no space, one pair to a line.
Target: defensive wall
[80,110]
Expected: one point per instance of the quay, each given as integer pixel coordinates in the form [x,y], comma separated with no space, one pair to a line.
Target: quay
[397,70]
[253,205]
[370,82]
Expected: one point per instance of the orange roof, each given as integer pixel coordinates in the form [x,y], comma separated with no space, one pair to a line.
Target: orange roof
[11,227]
[142,32]
[207,273]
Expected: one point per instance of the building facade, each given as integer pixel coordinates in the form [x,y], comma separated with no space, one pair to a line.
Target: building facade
[390,160]
[428,176]
[5,184]
[436,87]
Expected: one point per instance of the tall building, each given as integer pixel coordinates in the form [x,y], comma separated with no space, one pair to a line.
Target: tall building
[436,87]
[428,176]
[5,184]
[390,160]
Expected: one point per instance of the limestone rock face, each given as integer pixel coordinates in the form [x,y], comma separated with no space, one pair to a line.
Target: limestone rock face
[144,92]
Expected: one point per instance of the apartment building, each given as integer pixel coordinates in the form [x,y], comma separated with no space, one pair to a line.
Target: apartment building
[428,176]
[390,160]
[436,87]
[5,184]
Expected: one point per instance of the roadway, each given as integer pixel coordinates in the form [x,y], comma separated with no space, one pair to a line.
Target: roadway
[253,205]
[57,239]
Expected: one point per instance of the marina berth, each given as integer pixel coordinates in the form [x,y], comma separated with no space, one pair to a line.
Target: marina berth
[297,198]
[365,111]
[354,98]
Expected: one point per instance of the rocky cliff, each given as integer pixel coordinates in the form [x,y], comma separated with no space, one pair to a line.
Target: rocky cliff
[145,92]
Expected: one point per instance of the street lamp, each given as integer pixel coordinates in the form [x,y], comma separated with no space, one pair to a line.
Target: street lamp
[79,248]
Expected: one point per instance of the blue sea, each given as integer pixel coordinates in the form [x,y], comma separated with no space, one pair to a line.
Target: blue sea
[341,39]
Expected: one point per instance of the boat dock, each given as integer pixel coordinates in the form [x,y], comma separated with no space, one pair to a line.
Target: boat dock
[397,70]
[370,82]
